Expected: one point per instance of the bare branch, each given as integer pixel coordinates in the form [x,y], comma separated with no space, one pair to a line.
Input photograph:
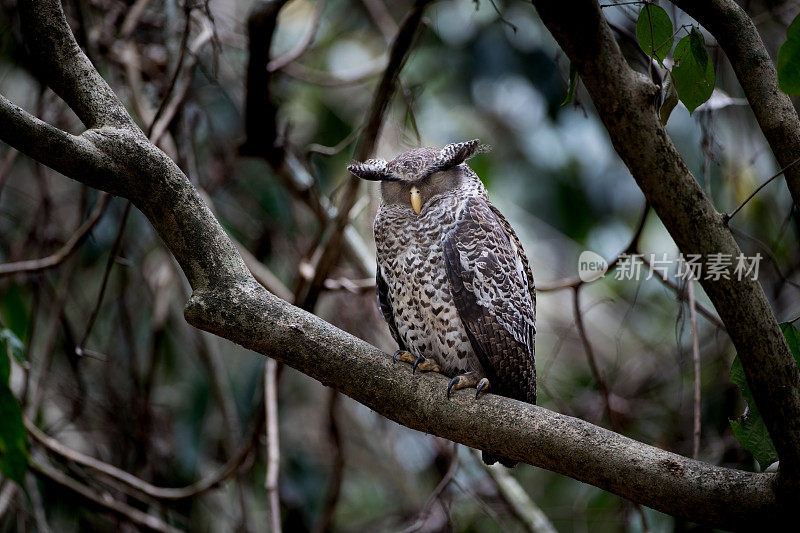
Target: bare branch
[62,64]
[280,62]
[273,444]
[665,481]
[140,485]
[55,259]
[523,507]
[104,500]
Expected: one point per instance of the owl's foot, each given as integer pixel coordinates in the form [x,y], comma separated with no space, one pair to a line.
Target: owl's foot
[468,380]
[421,363]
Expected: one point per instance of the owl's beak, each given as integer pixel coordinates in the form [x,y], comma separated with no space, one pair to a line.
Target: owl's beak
[416,200]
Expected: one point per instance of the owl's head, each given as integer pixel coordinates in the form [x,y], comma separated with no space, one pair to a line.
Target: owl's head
[413,177]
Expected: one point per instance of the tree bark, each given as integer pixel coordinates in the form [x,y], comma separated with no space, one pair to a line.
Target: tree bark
[625,102]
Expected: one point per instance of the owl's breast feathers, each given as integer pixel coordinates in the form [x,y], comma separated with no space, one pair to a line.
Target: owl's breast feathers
[488,285]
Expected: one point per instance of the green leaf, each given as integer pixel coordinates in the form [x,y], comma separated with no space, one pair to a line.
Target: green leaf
[13,441]
[749,429]
[789,60]
[792,335]
[573,82]
[13,345]
[693,71]
[654,32]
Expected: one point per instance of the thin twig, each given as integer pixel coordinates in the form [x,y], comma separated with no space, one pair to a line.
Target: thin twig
[273,444]
[326,79]
[337,474]
[587,346]
[55,259]
[104,500]
[140,485]
[280,62]
[522,506]
[382,18]
[696,362]
[5,168]
[104,283]
[633,245]
[162,121]
[178,68]
[726,217]
[771,256]
[437,492]
[6,495]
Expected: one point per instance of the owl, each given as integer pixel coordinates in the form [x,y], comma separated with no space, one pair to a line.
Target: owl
[453,282]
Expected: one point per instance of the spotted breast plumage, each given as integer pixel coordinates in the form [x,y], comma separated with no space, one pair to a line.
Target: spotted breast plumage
[453,282]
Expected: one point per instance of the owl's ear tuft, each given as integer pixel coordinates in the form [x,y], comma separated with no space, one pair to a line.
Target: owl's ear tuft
[456,153]
[372,170]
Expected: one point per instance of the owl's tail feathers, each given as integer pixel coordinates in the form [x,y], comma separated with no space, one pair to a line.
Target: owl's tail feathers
[490,459]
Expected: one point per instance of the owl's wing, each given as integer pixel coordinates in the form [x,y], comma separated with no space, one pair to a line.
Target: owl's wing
[382,290]
[492,289]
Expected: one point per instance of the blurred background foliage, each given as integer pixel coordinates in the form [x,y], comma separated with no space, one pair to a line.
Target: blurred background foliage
[170,404]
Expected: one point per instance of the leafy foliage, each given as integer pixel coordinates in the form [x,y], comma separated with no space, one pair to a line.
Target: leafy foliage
[693,71]
[749,428]
[13,442]
[654,32]
[692,76]
[789,60]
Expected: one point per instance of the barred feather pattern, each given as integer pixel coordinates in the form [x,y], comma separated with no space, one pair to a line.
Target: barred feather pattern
[455,285]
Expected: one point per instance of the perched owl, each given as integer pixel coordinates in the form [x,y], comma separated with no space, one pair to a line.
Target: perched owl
[453,281]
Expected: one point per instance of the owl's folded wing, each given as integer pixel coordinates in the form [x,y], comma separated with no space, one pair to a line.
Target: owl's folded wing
[382,291]
[489,281]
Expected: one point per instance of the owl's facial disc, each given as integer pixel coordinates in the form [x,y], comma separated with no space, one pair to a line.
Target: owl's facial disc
[416,199]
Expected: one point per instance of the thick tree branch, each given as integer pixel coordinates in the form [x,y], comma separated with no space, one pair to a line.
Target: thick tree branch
[665,481]
[59,150]
[58,59]
[739,38]
[625,103]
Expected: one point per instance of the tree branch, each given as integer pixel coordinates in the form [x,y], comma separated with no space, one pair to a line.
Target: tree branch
[665,481]
[625,102]
[54,259]
[737,35]
[58,58]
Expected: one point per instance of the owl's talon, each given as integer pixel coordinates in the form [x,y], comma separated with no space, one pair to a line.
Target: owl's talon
[450,385]
[403,355]
[462,381]
[425,365]
[482,384]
